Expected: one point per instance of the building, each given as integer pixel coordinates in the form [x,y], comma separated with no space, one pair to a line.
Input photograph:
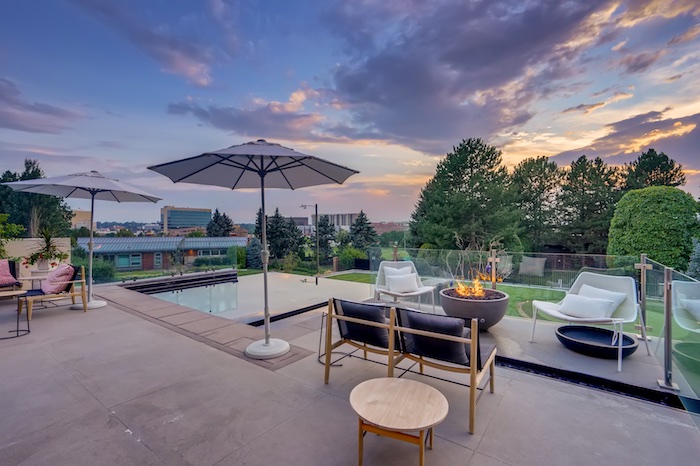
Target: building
[81,218]
[183,217]
[341,221]
[158,252]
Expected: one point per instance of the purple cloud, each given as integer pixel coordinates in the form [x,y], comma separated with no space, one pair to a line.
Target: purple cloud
[177,55]
[640,62]
[33,117]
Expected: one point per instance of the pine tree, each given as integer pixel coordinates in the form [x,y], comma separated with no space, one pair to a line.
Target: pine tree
[219,225]
[326,234]
[653,169]
[253,257]
[362,234]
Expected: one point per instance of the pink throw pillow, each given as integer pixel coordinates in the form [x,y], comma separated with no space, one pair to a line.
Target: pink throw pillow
[6,277]
[55,281]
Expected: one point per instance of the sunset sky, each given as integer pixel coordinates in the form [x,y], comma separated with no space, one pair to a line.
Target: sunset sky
[386,87]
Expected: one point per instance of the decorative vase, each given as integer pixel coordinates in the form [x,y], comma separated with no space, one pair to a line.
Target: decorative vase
[43,264]
[488,311]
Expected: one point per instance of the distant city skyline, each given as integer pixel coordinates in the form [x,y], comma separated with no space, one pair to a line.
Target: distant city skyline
[386,87]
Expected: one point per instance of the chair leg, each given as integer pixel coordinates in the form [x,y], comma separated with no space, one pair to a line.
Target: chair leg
[432,298]
[619,348]
[492,381]
[472,405]
[329,339]
[534,322]
[30,303]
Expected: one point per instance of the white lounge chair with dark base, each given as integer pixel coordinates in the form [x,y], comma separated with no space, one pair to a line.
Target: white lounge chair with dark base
[399,279]
[600,300]
[686,304]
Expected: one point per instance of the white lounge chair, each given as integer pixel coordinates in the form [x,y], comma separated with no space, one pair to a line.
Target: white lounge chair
[399,279]
[625,312]
[686,304]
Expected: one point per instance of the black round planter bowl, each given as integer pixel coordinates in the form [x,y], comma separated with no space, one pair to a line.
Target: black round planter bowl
[594,341]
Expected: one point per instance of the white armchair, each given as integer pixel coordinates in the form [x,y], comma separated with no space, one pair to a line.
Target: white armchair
[399,279]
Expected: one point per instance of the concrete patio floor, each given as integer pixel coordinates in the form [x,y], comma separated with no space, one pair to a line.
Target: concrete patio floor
[146,382]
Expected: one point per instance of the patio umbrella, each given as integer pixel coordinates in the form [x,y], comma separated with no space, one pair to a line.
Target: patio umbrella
[91,186]
[252,165]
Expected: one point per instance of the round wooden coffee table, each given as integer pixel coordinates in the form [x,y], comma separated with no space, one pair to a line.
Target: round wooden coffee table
[391,407]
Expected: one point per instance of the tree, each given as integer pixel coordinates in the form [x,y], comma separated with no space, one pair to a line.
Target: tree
[653,169]
[694,262]
[390,238]
[586,205]
[253,256]
[326,234]
[362,234]
[8,231]
[536,182]
[342,238]
[467,201]
[125,233]
[659,221]
[283,236]
[34,211]
[219,225]
[257,232]
[196,234]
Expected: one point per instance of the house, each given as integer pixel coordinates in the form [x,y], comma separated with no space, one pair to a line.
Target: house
[154,253]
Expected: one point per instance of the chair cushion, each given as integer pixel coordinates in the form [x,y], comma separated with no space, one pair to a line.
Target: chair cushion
[55,280]
[402,283]
[584,307]
[392,271]
[614,296]
[374,336]
[6,277]
[435,348]
[692,306]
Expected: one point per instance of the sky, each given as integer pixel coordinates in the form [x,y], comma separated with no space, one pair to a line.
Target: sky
[386,87]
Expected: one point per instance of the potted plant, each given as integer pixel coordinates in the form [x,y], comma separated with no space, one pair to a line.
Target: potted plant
[48,254]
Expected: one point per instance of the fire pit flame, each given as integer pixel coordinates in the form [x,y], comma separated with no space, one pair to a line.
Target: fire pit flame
[476,290]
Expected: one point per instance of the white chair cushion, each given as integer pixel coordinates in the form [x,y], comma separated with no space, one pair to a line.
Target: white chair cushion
[402,283]
[584,307]
[593,292]
[393,272]
[692,306]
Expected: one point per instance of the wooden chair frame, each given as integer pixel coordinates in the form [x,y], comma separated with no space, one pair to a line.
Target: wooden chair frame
[71,292]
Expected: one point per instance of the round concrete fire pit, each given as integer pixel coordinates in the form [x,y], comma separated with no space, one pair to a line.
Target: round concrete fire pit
[489,309]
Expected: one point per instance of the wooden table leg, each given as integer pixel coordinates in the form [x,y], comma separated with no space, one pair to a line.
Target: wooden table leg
[432,436]
[359,442]
[421,458]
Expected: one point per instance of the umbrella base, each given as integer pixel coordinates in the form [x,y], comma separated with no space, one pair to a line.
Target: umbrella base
[94,304]
[259,350]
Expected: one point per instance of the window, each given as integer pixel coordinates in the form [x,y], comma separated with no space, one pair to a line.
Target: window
[122,260]
[135,260]
[203,252]
[158,259]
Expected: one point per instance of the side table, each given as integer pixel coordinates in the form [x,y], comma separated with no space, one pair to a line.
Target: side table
[16,294]
[391,407]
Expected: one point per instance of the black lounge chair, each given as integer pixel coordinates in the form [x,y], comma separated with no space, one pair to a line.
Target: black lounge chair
[69,291]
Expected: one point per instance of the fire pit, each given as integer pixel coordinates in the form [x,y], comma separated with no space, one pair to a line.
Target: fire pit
[468,302]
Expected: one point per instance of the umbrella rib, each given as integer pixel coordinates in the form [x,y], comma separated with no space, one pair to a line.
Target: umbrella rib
[195,172]
[281,171]
[319,172]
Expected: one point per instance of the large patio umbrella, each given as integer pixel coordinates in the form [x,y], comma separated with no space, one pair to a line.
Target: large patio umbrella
[252,165]
[91,186]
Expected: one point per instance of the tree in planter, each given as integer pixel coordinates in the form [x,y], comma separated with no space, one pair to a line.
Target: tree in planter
[219,225]
[590,191]
[362,234]
[659,221]
[467,198]
[653,169]
[536,182]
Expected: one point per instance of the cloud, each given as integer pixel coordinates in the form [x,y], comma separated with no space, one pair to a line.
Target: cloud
[177,55]
[640,62]
[588,108]
[33,117]
[688,35]
[279,120]
[626,139]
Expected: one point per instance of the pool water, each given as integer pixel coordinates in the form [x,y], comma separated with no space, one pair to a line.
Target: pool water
[212,299]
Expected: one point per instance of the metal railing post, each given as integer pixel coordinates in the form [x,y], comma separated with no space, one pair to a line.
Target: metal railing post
[643,267]
[667,382]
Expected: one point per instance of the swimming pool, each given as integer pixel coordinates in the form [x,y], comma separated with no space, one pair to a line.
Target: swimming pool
[220,299]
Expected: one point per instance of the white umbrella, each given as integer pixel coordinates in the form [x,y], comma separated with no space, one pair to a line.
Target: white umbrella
[91,186]
[251,165]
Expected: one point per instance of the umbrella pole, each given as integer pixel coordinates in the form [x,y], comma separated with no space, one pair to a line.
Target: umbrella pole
[269,347]
[91,304]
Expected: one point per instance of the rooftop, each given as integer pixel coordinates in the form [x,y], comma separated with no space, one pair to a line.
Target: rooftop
[144,381]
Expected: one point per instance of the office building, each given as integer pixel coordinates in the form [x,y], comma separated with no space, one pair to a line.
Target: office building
[183,217]
[81,218]
[341,221]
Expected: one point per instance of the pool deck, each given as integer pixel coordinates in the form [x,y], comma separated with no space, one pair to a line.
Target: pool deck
[146,382]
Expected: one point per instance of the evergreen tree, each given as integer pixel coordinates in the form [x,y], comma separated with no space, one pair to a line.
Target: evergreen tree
[536,182]
[34,211]
[467,203]
[258,225]
[219,225]
[283,236]
[653,169]
[694,262]
[362,234]
[253,254]
[326,234]
[586,205]
[342,238]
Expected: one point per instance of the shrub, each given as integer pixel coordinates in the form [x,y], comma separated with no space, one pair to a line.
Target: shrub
[241,258]
[347,257]
[102,271]
[290,262]
[659,221]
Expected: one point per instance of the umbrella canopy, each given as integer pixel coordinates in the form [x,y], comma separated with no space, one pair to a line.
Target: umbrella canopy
[91,185]
[252,165]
